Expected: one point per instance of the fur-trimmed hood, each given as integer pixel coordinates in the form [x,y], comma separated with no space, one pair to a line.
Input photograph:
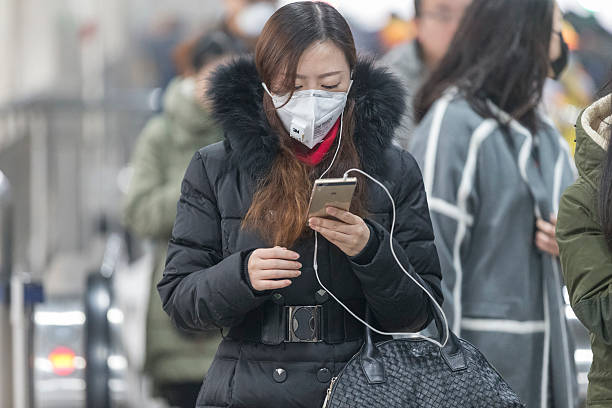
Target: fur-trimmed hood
[236,94]
[592,133]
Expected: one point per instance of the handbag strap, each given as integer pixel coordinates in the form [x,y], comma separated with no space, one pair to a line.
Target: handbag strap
[373,366]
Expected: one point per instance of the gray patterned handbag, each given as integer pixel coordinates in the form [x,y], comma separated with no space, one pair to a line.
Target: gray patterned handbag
[413,372]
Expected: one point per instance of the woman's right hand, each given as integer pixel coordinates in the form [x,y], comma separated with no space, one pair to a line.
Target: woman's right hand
[271,268]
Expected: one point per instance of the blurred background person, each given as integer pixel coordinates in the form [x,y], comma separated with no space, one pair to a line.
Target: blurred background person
[166,33]
[436,22]
[175,361]
[584,233]
[186,56]
[494,170]
[244,19]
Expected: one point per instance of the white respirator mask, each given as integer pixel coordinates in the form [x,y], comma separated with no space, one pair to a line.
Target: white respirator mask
[309,115]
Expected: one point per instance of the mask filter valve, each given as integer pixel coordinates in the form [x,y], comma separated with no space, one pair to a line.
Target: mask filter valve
[298,129]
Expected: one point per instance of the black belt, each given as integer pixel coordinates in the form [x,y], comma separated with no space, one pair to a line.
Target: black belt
[275,324]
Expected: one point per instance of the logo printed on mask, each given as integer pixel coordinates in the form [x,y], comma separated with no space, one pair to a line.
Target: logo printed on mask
[298,134]
[309,115]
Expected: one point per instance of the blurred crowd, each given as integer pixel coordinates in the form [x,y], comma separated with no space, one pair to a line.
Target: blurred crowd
[411,48]
[168,48]
[165,54]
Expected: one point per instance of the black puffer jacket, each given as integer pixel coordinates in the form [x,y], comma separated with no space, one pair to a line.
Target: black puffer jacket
[205,284]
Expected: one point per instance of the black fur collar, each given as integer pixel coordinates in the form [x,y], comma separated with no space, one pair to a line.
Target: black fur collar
[236,94]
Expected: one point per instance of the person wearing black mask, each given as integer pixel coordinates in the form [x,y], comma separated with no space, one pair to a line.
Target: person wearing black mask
[494,169]
[559,64]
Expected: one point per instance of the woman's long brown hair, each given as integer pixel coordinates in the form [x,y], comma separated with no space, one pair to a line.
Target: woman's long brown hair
[280,204]
[499,53]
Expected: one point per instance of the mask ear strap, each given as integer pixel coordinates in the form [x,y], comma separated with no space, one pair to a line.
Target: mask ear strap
[271,96]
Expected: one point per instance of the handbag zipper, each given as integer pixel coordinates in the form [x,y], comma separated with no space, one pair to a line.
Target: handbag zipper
[329,391]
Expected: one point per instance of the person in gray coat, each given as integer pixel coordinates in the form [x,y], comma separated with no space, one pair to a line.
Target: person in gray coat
[436,22]
[494,169]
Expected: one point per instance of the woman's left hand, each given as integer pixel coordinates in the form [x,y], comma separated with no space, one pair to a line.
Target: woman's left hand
[349,232]
[546,239]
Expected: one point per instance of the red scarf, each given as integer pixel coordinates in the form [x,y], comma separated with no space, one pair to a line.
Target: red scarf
[316,155]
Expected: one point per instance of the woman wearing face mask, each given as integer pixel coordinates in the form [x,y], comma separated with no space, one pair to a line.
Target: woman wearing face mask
[241,254]
[494,169]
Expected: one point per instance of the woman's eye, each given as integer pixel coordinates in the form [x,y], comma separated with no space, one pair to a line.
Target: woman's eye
[330,86]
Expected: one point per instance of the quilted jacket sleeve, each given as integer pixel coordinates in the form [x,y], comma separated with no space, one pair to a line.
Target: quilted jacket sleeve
[396,301]
[586,260]
[200,289]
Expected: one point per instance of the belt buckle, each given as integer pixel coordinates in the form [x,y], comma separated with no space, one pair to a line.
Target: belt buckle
[303,324]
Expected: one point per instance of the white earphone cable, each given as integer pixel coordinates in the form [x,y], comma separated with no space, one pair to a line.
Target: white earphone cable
[431,297]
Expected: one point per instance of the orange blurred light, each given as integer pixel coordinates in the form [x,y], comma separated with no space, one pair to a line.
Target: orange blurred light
[397,32]
[570,36]
[62,359]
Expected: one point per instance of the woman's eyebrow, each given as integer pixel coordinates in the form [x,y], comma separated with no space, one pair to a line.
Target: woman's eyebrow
[327,74]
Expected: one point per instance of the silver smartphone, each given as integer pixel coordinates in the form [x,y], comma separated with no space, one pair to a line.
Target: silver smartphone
[331,193]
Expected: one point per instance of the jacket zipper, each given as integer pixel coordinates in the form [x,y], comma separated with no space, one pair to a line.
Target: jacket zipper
[329,392]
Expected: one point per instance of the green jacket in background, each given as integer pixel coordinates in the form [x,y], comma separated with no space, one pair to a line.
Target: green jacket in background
[585,256]
[162,153]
